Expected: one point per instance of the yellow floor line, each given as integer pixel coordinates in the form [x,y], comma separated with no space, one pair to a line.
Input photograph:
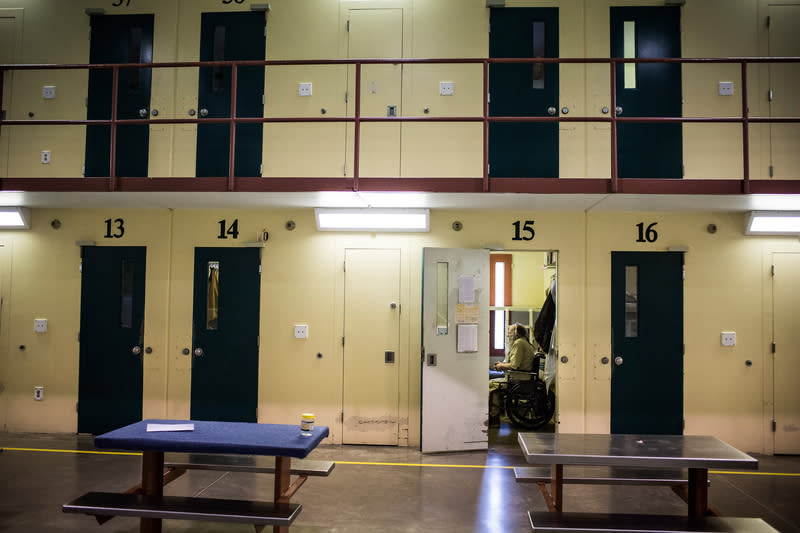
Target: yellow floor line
[369,463]
[68,451]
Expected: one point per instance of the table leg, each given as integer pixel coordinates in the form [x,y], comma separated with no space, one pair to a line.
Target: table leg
[152,485]
[698,491]
[557,486]
[283,466]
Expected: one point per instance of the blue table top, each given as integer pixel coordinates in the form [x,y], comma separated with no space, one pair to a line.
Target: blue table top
[215,437]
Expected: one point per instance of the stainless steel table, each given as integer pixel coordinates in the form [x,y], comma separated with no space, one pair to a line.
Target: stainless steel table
[698,453]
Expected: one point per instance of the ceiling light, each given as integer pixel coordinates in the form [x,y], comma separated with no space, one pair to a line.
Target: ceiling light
[773,223]
[398,220]
[15,218]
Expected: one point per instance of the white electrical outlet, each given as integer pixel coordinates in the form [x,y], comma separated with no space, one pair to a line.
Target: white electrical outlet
[304,89]
[45,157]
[726,88]
[40,325]
[49,92]
[38,393]
[301,331]
[446,88]
[728,338]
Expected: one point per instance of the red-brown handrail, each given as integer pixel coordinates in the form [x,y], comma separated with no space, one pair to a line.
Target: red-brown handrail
[357,119]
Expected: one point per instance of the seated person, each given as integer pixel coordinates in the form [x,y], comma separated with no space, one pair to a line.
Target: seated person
[520,356]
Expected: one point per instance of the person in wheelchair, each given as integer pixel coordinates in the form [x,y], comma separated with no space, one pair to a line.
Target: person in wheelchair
[521,356]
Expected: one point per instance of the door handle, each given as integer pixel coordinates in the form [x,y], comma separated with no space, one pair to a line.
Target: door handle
[204,112]
[552,110]
[618,361]
[198,352]
[143,112]
[136,350]
[618,110]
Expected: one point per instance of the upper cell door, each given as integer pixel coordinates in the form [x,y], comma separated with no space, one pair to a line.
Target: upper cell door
[784,78]
[119,39]
[648,150]
[376,33]
[228,37]
[519,149]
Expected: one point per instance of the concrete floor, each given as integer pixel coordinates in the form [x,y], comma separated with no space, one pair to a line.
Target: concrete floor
[454,492]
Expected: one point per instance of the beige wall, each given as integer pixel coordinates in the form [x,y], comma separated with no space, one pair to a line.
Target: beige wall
[727,288]
[54,31]
[727,284]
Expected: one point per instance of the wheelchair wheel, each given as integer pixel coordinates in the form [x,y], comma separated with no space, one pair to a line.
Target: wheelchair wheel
[529,405]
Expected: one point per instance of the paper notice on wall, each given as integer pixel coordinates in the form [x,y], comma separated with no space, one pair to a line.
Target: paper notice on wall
[467,314]
[466,289]
[467,338]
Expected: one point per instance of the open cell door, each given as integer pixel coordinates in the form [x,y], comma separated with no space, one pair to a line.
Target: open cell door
[455,365]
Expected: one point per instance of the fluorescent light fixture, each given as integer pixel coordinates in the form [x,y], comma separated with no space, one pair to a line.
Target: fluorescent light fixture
[773,223]
[15,218]
[398,220]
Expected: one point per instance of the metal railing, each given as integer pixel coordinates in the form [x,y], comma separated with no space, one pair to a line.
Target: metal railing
[356,183]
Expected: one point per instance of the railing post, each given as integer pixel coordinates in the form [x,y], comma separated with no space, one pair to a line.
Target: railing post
[614,162]
[232,148]
[2,77]
[745,133]
[486,125]
[112,159]
[357,128]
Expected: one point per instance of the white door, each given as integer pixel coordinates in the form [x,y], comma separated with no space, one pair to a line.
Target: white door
[784,40]
[371,341]
[786,360]
[455,340]
[376,33]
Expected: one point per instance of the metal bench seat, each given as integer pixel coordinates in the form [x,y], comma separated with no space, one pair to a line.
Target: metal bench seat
[605,476]
[107,504]
[244,463]
[546,522]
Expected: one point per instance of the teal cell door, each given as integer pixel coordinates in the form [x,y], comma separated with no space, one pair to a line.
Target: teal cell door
[228,37]
[647,342]
[648,90]
[225,334]
[111,336]
[119,39]
[528,90]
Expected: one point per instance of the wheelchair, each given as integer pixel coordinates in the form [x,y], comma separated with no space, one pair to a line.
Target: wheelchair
[527,402]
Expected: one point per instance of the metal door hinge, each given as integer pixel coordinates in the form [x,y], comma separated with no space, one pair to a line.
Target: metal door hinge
[773,347]
[346,96]
[772,270]
[683,349]
[683,171]
[341,416]
[771,171]
[490,27]
[342,340]
[258,341]
[345,169]
[769,95]
[261,168]
[768,21]
[774,425]
[348,24]
[344,266]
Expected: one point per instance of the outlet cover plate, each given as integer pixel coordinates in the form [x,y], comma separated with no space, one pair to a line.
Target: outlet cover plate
[726,88]
[728,338]
[40,325]
[49,92]
[301,331]
[446,88]
[304,89]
